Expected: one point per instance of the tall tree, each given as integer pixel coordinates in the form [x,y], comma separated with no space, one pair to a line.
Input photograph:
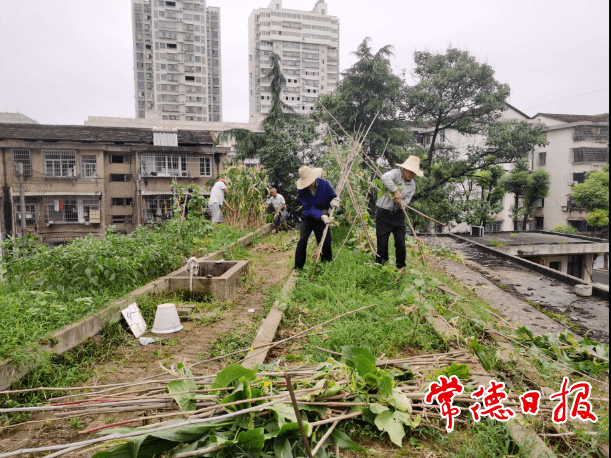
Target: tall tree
[454,91]
[527,188]
[486,194]
[369,88]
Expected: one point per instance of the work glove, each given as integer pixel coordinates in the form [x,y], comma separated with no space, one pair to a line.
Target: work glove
[335,203]
[327,219]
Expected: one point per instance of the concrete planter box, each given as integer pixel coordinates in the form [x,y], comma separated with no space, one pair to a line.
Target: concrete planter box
[226,276]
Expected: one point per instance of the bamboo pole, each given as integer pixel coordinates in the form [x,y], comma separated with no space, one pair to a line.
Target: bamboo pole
[344,176]
[304,436]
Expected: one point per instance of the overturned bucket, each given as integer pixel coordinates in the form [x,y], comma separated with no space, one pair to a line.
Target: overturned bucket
[166,320]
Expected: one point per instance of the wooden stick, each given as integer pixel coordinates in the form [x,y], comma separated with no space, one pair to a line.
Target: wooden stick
[139,432]
[289,385]
[324,438]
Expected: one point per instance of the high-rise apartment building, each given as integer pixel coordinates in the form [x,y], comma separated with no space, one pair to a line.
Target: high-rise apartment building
[177,60]
[308,45]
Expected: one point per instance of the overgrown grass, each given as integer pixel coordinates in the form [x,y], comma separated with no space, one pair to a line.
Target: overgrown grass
[47,288]
[349,283]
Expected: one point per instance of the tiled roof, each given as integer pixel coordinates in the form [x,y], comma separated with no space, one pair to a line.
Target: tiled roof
[120,135]
[575,118]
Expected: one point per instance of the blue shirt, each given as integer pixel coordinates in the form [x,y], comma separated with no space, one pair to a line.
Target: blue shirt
[317,205]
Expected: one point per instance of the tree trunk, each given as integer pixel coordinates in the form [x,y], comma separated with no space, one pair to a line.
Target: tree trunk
[515,218]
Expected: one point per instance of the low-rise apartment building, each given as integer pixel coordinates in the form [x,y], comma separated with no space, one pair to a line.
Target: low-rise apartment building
[577,144]
[460,144]
[78,180]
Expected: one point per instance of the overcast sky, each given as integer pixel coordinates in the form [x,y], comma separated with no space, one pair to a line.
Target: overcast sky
[62,61]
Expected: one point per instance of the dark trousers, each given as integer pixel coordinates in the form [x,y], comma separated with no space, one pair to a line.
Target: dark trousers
[305,230]
[391,222]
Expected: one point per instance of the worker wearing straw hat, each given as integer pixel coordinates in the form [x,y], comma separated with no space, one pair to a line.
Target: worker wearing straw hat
[317,198]
[390,218]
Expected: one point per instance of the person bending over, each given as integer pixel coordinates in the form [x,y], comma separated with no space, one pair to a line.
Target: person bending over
[317,198]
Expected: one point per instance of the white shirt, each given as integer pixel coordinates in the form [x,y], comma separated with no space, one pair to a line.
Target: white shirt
[277,201]
[217,195]
[391,180]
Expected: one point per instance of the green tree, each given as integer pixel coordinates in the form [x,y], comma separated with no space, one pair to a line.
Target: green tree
[454,91]
[527,188]
[593,194]
[368,89]
[485,196]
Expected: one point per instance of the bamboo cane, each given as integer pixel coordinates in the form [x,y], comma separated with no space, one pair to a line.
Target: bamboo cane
[304,436]
[344,176]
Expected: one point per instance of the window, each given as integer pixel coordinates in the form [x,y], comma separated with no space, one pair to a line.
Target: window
[120,178]
[22,156]
[205,166]
[158,208]
[30,213]
[596,133]
[540,223]
[589,155]
[120,219]
[556,265]
[164,165]
[59,164]
[89,167]
[579,178]
[72,210]
[575,265]
[116,159]
[170,4]
[494,227]
[122,201]
[542,161]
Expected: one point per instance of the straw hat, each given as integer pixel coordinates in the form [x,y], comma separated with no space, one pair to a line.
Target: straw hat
[413,165]
[307,176]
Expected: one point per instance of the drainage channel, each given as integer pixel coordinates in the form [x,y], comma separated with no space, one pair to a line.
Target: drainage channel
[553,295]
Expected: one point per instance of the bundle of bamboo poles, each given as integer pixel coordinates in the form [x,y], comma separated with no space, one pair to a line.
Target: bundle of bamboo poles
[149,396]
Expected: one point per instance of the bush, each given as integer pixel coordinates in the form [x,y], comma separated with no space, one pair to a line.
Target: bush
[565,229]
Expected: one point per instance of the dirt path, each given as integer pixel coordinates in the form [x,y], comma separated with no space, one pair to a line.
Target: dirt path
[132,362]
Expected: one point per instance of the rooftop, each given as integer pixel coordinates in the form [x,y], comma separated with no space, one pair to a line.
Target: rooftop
[90,134]
[575,118]
[528,238]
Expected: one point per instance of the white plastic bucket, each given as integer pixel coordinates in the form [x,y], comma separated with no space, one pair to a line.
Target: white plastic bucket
[166,320]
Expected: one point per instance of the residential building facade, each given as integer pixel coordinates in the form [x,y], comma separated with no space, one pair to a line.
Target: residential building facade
[308,45]
[79,180]
[177,60]
[577,144]
[460,144]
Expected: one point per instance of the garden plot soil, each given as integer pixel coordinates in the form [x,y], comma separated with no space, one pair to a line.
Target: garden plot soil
[589,314]
[134,362]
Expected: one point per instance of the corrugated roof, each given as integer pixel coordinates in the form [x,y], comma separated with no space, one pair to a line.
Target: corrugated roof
[132,135]
[575,118]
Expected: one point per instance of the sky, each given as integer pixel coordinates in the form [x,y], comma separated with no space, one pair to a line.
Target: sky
[65,60]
